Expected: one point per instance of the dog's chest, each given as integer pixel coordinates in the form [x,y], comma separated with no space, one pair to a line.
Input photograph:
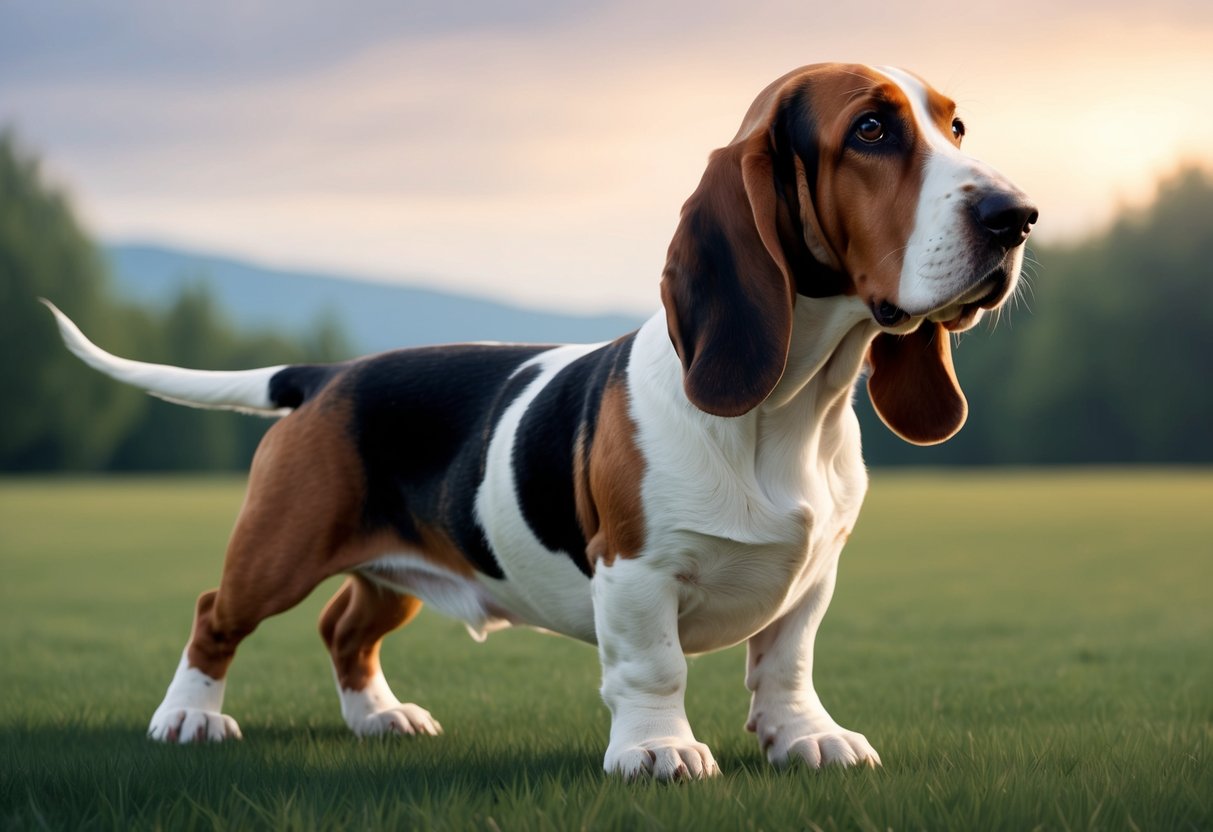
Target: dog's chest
[746,551]
[741,544]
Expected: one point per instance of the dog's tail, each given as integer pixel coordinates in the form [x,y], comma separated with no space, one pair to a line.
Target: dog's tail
[266,391]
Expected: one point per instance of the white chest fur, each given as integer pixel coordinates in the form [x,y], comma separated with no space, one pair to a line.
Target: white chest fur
[750,513]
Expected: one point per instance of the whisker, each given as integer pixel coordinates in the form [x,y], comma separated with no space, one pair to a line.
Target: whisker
[1022,289]
[898,250]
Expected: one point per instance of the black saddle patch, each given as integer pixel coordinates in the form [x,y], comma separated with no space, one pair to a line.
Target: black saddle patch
[546,442]
[422,419]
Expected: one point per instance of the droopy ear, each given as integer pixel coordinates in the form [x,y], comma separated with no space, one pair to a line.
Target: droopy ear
[727,292]
[913,385]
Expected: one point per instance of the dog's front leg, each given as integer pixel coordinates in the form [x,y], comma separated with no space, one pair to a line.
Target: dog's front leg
[785,711]
[644,674]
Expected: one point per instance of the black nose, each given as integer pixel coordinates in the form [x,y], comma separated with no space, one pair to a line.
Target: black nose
[1007,215]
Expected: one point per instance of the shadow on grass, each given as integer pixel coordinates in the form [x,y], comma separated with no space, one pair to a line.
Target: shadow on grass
[110,776]
[75,776]
[40,750]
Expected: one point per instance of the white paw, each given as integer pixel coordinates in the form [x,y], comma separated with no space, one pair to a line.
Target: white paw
[666,758]
[186,725]
[404,718]
[835,746]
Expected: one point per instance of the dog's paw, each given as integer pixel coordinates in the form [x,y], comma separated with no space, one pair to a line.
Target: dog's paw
[667,758]
[186,725]
[404,718]
[834,747]
[792,735]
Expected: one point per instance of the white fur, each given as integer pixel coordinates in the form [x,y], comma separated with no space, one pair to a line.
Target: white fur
[785,711]
[459,597]
[940,263]
[375,710]
[644,673]
[191,710]
[745,520]
[742,504]
[243,390]
[542,588]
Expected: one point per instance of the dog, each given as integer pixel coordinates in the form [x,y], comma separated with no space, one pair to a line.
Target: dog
[682,489]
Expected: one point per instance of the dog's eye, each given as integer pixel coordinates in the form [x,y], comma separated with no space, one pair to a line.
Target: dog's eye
[958,129]
[869,128]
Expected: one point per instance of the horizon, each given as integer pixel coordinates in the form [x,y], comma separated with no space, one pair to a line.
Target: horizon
[413,282]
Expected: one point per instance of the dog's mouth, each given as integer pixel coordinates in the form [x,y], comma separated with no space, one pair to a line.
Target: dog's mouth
[987,294]
[888,314]
[957,315]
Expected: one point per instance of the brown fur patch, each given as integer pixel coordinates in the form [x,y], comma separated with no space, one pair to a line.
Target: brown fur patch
[942,110]
[865,203]
[354,623]
[301,508]
[301,523]
[583,500]
[616,470]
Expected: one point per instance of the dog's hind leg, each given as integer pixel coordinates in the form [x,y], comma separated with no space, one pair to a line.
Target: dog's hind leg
[297,525]
[353,626]
[191,710]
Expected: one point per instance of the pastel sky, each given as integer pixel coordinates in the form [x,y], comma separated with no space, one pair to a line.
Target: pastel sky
[539,151]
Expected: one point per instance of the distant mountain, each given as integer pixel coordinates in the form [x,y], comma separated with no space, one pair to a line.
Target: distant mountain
[373,316]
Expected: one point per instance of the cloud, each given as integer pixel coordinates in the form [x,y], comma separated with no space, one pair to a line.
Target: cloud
[544,157]
[134,39]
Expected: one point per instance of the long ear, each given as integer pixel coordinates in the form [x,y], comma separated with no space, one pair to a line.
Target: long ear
[726,289]
[913,385]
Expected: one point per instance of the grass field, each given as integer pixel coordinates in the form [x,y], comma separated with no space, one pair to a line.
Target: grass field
[1025,650]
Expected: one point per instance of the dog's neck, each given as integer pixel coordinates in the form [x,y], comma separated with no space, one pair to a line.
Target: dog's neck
[830,337]
[807,421]
[804,421]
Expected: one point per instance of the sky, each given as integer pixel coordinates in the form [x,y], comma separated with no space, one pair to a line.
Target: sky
[538,151]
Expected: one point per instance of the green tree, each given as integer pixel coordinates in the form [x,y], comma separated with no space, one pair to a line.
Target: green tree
[1108,357]
[194,333]
[51,416]
[1121,358]
[57,414]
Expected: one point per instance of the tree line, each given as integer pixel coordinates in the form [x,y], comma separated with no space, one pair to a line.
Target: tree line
[56,414]
[1105,358]
[1108,356]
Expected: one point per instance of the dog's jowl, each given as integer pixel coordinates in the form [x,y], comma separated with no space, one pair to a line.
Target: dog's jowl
[684,488]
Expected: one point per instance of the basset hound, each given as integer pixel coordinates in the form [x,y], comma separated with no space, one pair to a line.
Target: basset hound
[686,487]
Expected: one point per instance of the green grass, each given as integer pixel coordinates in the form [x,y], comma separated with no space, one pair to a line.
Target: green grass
[1026,650]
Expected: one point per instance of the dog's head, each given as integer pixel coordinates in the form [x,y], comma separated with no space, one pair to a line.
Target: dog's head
[843,180]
